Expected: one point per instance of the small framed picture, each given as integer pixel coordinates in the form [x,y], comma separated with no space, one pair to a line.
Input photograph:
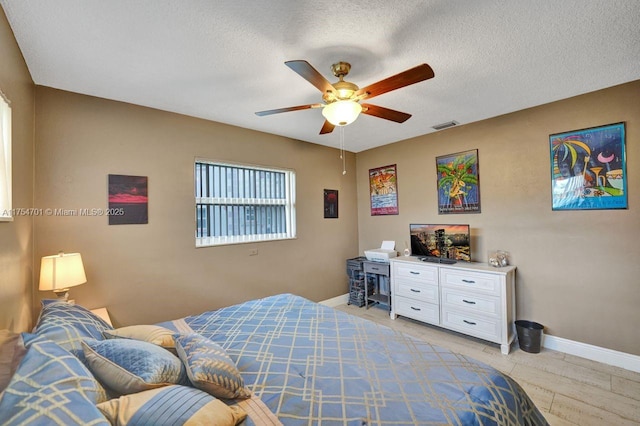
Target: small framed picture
[128,200]
[330,203]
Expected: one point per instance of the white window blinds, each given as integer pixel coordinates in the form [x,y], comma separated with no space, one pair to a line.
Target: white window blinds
[239,203]
[5,159]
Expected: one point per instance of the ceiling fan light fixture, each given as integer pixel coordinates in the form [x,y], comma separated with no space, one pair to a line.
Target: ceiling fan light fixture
[345,89]
[342,113]
[345,93]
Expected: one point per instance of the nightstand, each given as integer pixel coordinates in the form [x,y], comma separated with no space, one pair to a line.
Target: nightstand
[102,313]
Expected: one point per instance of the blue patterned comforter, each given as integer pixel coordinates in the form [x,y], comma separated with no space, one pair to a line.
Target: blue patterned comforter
[314,365]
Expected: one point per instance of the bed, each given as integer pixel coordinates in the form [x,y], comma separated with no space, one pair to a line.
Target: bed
[295,362]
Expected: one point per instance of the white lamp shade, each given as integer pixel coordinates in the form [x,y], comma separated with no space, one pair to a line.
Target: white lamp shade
[342,113]
[61,271]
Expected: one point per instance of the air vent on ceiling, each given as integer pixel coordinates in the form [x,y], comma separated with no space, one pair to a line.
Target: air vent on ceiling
[445,125]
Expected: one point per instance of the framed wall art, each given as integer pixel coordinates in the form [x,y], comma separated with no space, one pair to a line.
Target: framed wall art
[383,187]
[330,203]
[588,168]
[128,200]
[458,183]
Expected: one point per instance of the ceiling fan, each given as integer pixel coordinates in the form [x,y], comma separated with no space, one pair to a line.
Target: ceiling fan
[341,100]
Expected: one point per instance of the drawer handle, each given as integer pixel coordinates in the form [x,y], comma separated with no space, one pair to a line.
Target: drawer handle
[414,272]
[416,309]
[415,291]
[469,322]
[468,281]
[471,302]
[375,269]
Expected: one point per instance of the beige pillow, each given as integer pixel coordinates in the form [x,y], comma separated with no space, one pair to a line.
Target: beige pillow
[148,333]
[160,407]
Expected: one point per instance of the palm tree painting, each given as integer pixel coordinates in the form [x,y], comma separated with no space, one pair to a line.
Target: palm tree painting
[458,183]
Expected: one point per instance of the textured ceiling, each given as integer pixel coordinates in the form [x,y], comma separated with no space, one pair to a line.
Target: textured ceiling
[223,60]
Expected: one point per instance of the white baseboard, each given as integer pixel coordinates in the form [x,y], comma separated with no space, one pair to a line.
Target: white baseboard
[594,353]
[583,350]
[336,301]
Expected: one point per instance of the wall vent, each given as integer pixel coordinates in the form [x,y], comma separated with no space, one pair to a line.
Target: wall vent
[446,125]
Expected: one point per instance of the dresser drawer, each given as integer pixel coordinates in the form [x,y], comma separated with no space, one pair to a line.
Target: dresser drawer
[422,273]
[471,302]
[417,291]
[421,311]
[376,268]
[473,325]
[470,281]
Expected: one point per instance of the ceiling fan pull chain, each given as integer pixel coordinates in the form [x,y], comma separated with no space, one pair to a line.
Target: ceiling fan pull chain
[344,168]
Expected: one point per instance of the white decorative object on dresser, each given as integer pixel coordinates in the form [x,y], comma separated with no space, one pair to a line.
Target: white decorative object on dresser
[470,298]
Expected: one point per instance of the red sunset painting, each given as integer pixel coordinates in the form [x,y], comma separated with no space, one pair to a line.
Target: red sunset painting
[128,200]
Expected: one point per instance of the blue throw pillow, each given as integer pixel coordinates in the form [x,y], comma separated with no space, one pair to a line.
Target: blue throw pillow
[128,366]
[209,367]
[51,386]
[68,324]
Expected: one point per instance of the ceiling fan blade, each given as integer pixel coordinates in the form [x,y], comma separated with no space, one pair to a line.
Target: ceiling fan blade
[386,113]
[309,73]
[406,78]
[294,108]
[327,128]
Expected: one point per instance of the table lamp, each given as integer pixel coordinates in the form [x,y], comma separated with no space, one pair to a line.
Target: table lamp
[61,271]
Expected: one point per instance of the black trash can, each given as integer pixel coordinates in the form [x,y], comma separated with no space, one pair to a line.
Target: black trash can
[529,335]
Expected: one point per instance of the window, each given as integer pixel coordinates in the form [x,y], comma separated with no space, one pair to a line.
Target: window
[240,204]
[5,159]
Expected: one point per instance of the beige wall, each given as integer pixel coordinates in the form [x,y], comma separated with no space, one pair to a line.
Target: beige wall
[16,247]
[578,271]
[148,273]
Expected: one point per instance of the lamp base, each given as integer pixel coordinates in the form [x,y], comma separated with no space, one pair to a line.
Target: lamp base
[62,294]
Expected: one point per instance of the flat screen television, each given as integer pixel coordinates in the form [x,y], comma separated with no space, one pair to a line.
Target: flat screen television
[441,241]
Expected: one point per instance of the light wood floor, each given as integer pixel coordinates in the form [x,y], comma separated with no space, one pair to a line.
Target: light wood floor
[569,390]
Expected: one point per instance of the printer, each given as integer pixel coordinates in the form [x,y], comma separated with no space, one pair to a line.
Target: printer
[386,251]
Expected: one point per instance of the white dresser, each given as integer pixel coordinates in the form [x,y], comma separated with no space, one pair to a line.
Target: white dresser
[471,298]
